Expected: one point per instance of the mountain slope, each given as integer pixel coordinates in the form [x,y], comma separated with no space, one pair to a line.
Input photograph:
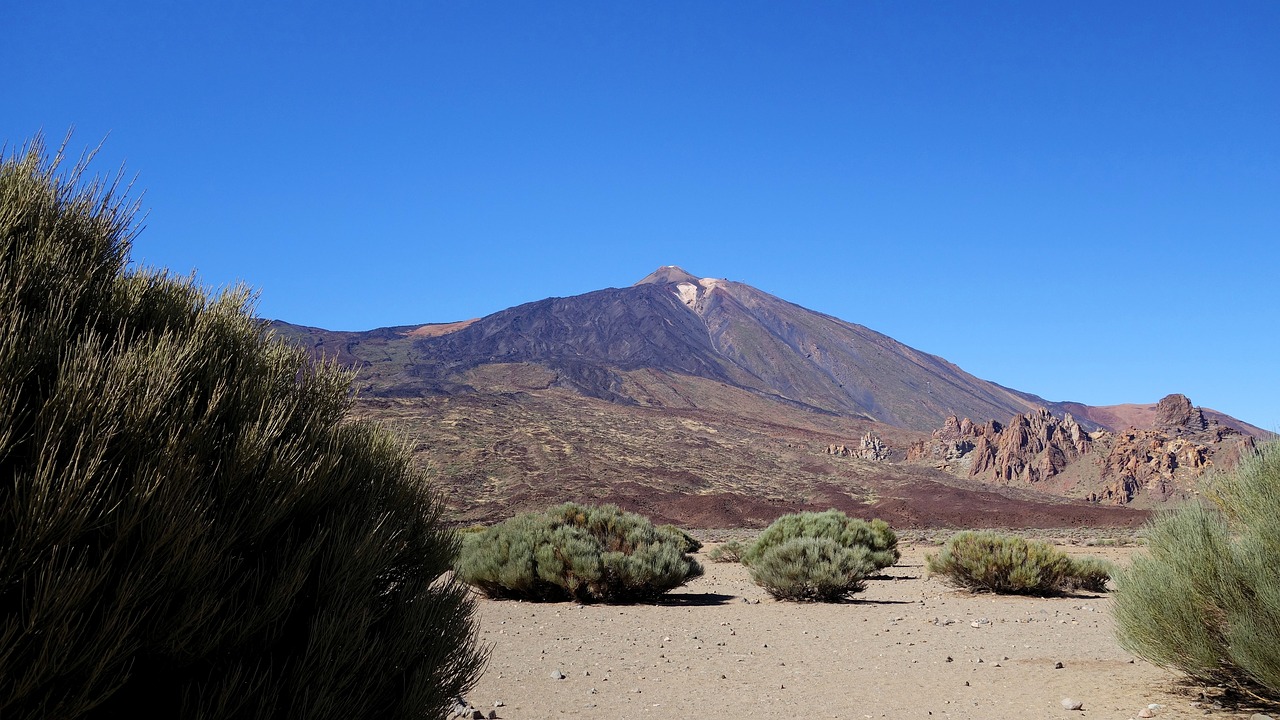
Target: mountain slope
[672,322]
[713,404]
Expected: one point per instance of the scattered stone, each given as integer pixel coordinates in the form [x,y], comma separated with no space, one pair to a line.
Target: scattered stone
[557,675]
[498,703]
[1259,716]
[1069,704]
[476,715]
[1058,666]
[950,659]
[493,715]
[1146,713]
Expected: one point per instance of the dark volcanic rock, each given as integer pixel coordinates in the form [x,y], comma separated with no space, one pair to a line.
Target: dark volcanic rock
[1176,414]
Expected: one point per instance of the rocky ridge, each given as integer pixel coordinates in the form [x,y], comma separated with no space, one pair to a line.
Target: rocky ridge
[1146,465]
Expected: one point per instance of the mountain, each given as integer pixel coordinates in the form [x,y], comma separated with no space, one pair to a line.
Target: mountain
[710,403]
[607,344]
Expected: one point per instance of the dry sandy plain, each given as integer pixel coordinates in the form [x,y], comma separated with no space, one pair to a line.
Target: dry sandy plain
[906,647]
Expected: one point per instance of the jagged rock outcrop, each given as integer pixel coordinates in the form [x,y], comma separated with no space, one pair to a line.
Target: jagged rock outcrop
[1034,447]
[1167,461]
[870,447]
[1153,465]
[1175,414]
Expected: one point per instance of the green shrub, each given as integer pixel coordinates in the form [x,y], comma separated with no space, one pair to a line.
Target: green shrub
[987,561]
[819,556]
[690,543]
[813,568]
[188,525]
[876,536]
[728,552]
[576,552]
[1089,574]
[1205,598]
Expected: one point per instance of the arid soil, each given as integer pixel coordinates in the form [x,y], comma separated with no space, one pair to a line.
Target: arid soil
[907,647]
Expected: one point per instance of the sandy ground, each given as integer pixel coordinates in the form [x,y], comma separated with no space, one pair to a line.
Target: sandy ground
[907,647]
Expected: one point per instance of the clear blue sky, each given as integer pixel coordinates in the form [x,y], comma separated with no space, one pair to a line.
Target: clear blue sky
[1076,199]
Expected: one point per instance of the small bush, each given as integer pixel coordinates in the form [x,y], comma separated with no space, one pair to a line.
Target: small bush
[876,536]
[819,556]
[1205,599]
[992,562]
[1089,574]
[576,552]
[729,552]
[691,544]
[813,568]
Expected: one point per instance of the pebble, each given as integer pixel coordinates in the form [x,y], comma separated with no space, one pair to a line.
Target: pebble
[557,675]
[1146,713]
[1069,704]
[1058,666]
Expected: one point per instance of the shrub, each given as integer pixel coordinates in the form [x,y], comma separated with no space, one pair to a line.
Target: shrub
[576,552]
[1205,598]
[812,568]
[190,527]
[986,561]
[876,536]
[1089,574]
[729,552]
[690,543]
[819,556]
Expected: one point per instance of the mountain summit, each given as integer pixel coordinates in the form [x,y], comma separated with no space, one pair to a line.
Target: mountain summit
[635,345]
[667,274]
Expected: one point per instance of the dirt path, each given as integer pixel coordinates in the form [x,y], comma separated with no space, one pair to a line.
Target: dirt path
[906,648]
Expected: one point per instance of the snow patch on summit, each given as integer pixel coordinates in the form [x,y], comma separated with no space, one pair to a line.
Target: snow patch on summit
[687,292]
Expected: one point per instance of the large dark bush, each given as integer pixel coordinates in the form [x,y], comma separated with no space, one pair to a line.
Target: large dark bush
[577,552]
[1205,599]
[824,556]
[986,561]
[188,526]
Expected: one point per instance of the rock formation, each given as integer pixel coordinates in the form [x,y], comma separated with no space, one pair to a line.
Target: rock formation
[1152,465]
[1176,415]
[870,447]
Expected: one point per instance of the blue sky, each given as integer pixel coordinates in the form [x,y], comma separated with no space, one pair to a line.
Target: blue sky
[1075,199]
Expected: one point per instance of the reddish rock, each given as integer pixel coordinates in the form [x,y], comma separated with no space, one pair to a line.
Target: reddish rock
[1175,413]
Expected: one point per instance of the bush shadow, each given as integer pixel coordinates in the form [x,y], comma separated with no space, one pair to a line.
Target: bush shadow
[693,599]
